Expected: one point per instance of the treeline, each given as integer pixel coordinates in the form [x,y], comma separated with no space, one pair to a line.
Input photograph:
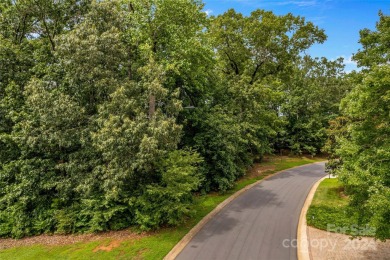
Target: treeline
[113,113]
[359,139]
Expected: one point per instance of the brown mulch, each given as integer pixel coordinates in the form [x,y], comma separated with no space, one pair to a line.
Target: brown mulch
[258,170]
[57,240]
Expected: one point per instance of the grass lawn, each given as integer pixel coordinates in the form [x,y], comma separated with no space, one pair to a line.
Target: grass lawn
[154,245]
[329,207]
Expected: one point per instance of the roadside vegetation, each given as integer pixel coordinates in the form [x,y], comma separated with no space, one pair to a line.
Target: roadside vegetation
[118,113]
[114,113]
[150,245]
[359,139]
[329,207]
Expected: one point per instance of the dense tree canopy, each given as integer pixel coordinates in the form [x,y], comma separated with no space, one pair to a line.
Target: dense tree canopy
[312,95]
[360,138]
[112,113]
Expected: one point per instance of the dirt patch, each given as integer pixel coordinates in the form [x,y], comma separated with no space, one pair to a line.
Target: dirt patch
[109,247]
[258,170]
[341,192]
[57,240]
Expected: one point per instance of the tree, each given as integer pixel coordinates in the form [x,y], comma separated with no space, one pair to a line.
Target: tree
[311,98]
[365,150]
[261,44]
[27,30]
[47,132]
[361,146]
[375,44]
[82,148]
[113,113]
[239,120]
[92,57]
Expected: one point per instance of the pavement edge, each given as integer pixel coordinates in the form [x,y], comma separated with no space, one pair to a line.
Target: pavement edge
[187,238]
[303,250]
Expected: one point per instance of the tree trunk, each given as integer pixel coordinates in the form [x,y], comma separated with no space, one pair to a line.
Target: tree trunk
[152,105]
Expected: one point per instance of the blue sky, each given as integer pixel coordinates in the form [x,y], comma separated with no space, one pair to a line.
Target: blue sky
[341,19]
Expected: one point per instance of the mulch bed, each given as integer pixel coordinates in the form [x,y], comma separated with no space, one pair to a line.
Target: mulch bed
[58,240]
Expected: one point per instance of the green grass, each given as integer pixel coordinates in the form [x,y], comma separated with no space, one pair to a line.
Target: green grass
[330,207]
[154,245]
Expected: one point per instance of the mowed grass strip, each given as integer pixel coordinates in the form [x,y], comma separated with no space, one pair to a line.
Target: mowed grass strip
[329,208]
[154,245]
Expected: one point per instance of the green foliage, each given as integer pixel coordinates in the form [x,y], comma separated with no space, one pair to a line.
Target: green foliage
[101,102]
[154,245]
[361,145]
[330,206]
[337,128]
[47,131]
[219,141]
[375,44]
[364,151]
[261,44]
[239,120]
[312,95]
[91,57]
[79,144]
[169,201]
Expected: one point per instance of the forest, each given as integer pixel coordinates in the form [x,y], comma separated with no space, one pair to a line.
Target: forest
[115,113]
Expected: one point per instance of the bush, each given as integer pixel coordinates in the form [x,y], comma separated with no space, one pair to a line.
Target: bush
[169,201]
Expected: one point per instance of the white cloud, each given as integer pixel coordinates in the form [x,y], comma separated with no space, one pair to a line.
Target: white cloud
[350,65]
[208,11]
[348,60]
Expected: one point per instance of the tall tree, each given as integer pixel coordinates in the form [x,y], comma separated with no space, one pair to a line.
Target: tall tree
[375,44]
[361,148]
[261,44]
[84,136]
[252,55]
[311,97]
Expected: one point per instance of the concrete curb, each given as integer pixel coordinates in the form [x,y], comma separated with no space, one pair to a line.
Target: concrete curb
[187,238]
[303,250]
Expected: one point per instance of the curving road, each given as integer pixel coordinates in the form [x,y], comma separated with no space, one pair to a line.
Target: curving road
[259,224]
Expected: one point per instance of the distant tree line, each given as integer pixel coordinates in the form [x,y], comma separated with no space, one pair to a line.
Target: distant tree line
[112,113]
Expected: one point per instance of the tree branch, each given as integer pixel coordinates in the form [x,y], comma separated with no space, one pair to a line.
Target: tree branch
[255,72]
[233,64]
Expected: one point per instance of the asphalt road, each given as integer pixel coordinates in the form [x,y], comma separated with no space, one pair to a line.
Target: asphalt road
[259,224]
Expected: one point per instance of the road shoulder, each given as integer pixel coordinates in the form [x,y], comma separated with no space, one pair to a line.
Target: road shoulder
[303,250]
[318,244]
